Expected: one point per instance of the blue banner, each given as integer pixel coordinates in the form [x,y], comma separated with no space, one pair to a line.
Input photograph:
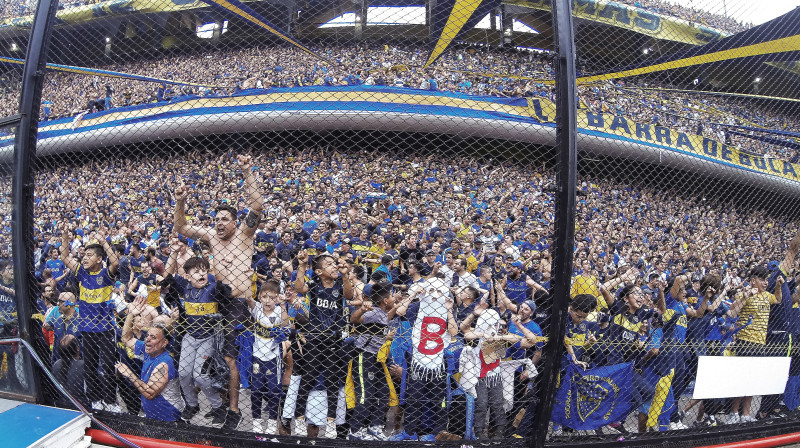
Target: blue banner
[593,398]
[4,60]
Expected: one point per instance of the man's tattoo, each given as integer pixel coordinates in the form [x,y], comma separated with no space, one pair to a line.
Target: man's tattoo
[251,220]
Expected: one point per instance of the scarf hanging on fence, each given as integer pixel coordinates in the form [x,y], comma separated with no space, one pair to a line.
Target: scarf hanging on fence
[430,336]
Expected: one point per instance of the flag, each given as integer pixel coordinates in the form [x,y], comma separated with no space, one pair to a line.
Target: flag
[4,60]
[791,396]
[593,398]
[663,403]
[450,19]
[248,14]
[776,41]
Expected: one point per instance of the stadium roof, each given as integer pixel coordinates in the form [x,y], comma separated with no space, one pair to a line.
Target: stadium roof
[608,35]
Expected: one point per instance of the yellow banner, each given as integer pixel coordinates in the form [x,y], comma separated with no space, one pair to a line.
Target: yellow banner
[632,18]
[658,136]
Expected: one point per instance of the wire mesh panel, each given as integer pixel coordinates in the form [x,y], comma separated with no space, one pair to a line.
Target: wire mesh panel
[683,304]
[13,381]
[319,220]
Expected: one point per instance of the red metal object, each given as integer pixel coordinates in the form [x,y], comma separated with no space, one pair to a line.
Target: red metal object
[766,442]
[105,438]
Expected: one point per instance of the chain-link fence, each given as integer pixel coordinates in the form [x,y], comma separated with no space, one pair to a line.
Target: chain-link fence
[687,224]
[258,221]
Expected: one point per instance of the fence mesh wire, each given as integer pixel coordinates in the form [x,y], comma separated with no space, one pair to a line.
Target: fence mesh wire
[335,220]
[685,258]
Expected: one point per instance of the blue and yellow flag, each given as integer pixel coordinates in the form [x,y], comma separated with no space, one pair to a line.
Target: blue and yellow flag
[593,398]
[452,18]
[4,60]
[775,41]
[791,396]
[248,14]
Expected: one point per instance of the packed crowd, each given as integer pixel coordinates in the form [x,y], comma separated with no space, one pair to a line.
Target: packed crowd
[692,15]
[706,115]
[227,72]
[12,9]
[16,8]
[370,288]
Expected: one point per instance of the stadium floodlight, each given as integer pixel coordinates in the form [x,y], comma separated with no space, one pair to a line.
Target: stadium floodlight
[108,39]
[14,46]
[758,79]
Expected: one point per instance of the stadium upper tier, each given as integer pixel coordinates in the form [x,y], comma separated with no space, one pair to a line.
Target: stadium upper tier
[738,122]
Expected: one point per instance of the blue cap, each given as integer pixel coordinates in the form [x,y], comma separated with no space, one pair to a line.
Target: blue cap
[773,265]
[531,305]
[518,264]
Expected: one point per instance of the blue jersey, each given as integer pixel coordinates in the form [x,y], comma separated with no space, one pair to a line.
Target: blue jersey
[136,265]
[328,312]
[62,327]
[518,290]
[698,327]
[605,351]
[198,304]
[57,267]
[97,313]
[576,336]
[8,307]
[168,405]
[516,351]
[626,329]
[779,313]
[675,324]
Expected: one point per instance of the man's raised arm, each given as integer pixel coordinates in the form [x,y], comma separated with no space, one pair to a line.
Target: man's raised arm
[71,263]
[255,203]
[788,260]
[179,217]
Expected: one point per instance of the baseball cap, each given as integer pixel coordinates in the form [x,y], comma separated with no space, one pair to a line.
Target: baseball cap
[531,304]
[346,241]
[773,265]
[518,264]
[386,259]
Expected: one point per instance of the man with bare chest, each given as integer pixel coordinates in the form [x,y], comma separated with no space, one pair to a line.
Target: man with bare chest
[232,248]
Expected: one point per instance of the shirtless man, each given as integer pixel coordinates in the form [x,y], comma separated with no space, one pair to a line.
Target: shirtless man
[232,248]
[183,253]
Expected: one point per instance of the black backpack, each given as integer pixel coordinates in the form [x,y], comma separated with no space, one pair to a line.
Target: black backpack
[215,366]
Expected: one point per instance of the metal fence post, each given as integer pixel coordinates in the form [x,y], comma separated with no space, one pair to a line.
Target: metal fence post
[23,181]
[566,182]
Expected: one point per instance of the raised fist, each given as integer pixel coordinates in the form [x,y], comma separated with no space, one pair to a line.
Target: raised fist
[181,193]
[245,162]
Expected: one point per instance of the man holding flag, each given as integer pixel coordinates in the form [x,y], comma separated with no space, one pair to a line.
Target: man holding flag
[433,325]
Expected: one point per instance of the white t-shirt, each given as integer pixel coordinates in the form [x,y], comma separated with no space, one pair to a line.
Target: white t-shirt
[264,347]
[467,279]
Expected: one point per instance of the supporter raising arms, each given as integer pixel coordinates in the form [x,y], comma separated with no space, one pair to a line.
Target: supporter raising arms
[232,247]
[97,315]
